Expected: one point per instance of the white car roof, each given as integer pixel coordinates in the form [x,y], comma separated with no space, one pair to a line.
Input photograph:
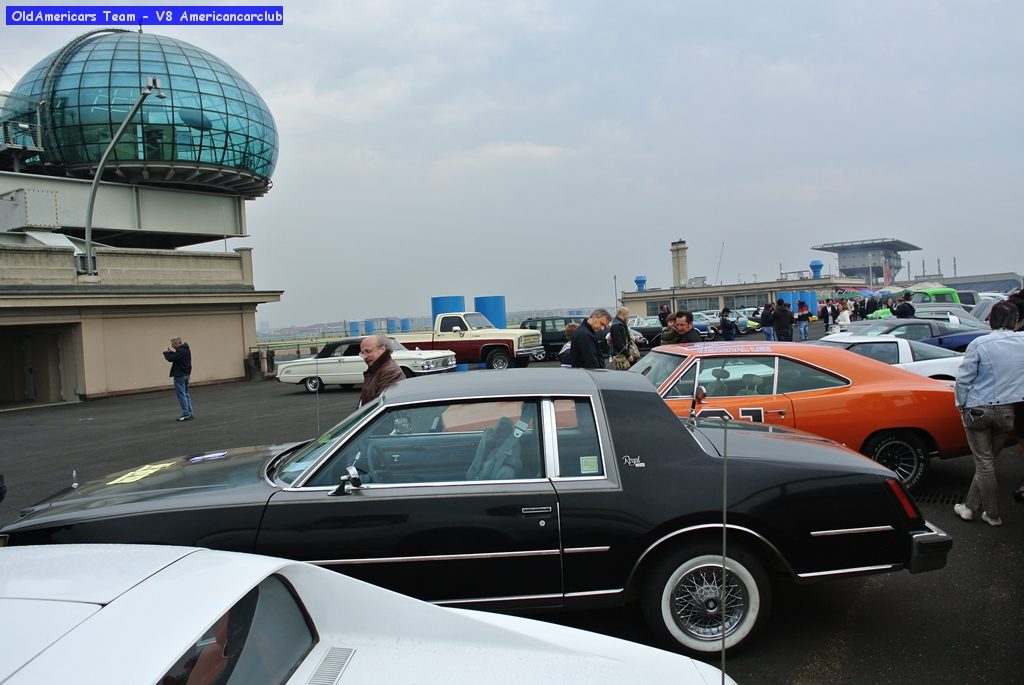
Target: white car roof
[66,596]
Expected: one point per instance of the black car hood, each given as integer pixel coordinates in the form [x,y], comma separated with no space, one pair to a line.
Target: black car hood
[234,475]
[747,440]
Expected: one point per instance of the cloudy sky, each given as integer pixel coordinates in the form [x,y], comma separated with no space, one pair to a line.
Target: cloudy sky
[541,149]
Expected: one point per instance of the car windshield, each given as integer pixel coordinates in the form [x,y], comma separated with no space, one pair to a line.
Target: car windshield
[296,464]
[397,346]
[477,321]
[657,366]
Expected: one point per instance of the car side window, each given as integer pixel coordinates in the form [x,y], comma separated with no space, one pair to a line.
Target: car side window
[684,386]
[347,351]
[579,449]
[261,639]
[737,376]
[912,331]
[448,324]
[885,352]
[922,351]
[797,377]
[554,325]
[442,443]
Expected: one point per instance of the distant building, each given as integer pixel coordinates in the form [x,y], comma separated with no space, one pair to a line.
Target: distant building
[875,261]
[693,294]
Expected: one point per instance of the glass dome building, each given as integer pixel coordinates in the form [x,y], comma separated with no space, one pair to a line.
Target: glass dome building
[211,132]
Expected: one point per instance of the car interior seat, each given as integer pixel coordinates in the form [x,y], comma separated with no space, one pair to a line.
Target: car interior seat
[498,455]
[718,387]
[751,385]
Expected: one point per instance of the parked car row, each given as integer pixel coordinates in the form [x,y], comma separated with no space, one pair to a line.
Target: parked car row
[554,488]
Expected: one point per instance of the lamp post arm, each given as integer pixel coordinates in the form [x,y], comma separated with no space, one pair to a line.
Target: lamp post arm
[99,174]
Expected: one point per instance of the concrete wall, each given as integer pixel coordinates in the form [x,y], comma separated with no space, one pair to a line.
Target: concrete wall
[124,352]
[44,265]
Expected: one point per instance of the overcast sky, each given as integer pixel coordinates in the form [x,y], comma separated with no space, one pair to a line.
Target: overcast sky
[538,150]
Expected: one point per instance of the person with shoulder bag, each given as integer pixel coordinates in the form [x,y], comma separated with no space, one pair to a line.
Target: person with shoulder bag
[621,343]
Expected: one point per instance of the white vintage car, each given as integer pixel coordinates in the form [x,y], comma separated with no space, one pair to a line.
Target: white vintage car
[914,356]
[339,363]
[101,614]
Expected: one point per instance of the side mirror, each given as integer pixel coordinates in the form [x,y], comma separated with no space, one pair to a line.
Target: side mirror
[347,483]
[458,329]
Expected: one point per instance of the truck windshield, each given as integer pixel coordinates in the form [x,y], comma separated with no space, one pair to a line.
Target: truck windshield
[477,321]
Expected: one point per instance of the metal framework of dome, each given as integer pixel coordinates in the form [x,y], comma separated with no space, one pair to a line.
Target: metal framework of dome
[213,132]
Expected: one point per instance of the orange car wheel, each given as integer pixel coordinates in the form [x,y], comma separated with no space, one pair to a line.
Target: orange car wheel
[902,451]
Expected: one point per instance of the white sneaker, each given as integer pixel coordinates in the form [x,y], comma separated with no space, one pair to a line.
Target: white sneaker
[991,520]
[964,512]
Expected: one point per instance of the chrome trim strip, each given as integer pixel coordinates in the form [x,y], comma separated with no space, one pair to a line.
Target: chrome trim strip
[586,550]
[549,441]
[594,593]
[436,557]
[850,531]
[481,600]
[844,571]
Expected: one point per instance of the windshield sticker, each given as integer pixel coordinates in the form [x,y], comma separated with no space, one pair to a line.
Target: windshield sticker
[140,473]
[633,462]
[590,465]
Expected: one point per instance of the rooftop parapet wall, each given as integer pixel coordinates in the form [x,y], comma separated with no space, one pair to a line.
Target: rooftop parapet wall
[49,266]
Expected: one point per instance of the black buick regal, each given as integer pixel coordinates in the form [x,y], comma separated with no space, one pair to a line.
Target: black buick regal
[530,488]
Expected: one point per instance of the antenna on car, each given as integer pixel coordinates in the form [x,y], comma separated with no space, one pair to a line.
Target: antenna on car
[725,508]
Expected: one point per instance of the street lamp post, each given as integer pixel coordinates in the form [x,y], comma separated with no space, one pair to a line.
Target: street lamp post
[151,83]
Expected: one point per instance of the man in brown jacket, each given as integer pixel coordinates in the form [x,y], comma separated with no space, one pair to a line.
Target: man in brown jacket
[383,372]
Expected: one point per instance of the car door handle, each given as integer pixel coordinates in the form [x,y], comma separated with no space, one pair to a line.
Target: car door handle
[536,511]
[780,412]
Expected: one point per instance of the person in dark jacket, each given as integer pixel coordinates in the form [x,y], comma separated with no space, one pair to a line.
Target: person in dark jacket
[382,371]
[904,309]
[680,329]
[180,357]
[663,313]
[767,321]
[727,325]
[583,354]
[783,322]
[618,336]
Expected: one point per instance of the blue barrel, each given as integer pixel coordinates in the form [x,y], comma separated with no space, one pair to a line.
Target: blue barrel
[353,328]
[446,304]
[493,307]
[371,326]
[405,325]
[392,325]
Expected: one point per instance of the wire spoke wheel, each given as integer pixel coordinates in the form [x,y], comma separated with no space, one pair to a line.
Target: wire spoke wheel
[689,602]
[698,602]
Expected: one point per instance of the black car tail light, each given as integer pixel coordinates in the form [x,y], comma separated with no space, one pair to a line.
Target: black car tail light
[909,508]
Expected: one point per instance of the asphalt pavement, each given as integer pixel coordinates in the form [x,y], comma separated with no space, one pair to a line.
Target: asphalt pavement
[964,623]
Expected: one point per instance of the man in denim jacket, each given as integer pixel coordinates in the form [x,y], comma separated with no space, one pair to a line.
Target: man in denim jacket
[989,382]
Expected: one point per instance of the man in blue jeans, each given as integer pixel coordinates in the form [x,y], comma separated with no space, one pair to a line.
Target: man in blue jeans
[180,358]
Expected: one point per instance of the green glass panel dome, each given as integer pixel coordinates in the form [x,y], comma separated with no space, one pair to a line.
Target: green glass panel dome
[213,131]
